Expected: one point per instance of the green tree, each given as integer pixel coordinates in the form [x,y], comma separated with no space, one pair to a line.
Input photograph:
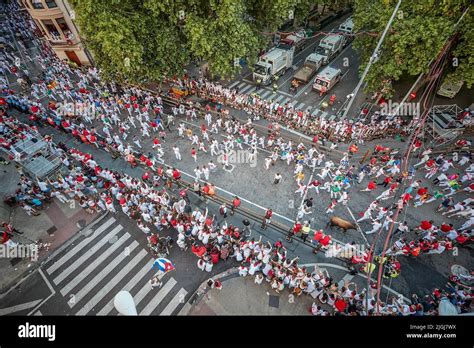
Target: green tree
[160,37]
[417,35]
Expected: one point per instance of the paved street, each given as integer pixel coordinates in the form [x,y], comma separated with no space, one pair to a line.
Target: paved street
[306,99]
[87,268]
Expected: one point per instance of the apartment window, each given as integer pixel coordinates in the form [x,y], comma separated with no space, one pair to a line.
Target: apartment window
[51,3]
[64,28]
[51,28]
[37,4]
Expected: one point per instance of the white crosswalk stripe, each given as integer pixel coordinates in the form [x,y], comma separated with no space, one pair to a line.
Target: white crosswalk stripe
[323,115]
[234,84]
[241,85]
[128,287]
[90,274]
[112,283]
[300,106]
[264,94]
[293,103]
[245,89]
[286,100]
[315,112]
[102,274]
[280,97]
[91,267]
[81,245]
[165,289]
[250,91]
[174,303]
[75,265]
[309,107]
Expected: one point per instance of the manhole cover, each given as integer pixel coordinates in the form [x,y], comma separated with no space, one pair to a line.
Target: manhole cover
[274,301]
[51,230]
[113,239]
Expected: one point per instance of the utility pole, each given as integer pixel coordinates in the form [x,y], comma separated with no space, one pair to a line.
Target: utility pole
[372,59]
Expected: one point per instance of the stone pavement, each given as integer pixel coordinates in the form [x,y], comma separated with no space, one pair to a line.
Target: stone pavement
[55,224]
[241,296]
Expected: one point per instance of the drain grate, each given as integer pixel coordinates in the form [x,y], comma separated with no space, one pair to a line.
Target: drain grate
[51,230]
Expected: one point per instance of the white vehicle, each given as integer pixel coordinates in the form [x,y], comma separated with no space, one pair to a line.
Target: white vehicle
[347,28]
[297,40]
[326,79]
[273,63]
[449,88]
[330,46]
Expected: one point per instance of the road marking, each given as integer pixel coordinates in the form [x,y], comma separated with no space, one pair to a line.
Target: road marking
[286,101]
[159,297]
[344,75]
[264,94]
[79,247]
[308,108]
[19,308]
[128,287]
[323,115]
[242,91]
[91,267]
[346,279]
[281,96]
[112,283]
[241,85]
[53,292]
[293,103]
[251,90]
[300,106]
[233,84]
[315,112]
[86,255]
[102,274]
[174,303]
[146,289]
[37,313]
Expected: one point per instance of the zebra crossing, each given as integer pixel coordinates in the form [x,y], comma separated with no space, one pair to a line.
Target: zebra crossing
[247,88]
[90,272]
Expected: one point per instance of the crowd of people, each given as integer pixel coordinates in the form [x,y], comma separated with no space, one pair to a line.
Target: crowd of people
[119,118]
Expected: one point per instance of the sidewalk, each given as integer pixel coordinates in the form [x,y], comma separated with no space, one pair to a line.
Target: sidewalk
[241,296]
[56,224]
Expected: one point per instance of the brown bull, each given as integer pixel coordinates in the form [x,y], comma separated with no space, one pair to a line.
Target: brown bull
[341,223]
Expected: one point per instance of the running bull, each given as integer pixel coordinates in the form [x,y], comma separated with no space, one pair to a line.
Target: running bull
[341,223]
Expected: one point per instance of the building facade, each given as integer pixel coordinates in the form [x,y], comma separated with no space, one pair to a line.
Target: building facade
[53,19]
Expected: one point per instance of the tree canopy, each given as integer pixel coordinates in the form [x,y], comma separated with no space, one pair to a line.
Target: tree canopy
[418,33]
[136,40]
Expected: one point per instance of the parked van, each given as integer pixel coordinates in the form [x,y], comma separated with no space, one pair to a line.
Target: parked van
[347,26]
